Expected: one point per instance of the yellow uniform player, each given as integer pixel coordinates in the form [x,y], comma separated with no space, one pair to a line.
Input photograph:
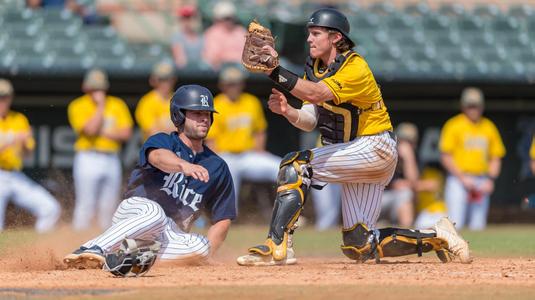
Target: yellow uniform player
[342,99]
[472,150]
[238,134]
[102,123]
[152,111]
[16,140]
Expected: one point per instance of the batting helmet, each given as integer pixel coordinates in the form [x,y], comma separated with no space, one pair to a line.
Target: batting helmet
[190,97]
[330,18]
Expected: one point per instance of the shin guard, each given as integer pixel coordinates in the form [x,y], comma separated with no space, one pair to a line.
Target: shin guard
[293,184]
[362,244]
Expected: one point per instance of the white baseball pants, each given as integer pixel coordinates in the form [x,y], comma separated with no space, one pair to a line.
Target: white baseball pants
[97,184]
[460,210]
[363,166]
[141,218]
[26,193]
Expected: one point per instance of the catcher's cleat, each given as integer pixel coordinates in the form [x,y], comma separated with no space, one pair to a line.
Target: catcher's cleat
[256,259]
[86,258]
[457,246]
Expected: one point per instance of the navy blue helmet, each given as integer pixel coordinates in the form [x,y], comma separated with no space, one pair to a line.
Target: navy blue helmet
[190,97]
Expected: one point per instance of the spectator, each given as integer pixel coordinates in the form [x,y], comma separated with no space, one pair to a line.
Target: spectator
[16,140]
[532,156]
[102,123]
[187,42]
[239,131]
[224,40]
[152,112]
[398,196]
[472,150]
[430,206]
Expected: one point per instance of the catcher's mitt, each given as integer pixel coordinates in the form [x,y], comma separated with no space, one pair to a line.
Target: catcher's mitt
[254,57]
[134,258]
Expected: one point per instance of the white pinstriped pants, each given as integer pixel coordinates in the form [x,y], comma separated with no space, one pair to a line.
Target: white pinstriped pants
[363,166]
[141,218]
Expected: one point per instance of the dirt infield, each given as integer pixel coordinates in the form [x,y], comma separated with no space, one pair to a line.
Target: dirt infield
[36,271]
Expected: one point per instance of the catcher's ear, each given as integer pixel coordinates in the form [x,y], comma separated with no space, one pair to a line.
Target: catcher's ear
[336,36]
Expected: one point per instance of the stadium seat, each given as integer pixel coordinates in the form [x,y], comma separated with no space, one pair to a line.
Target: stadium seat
[383,8]
[417,9]
[451,10]
[487,11]
[521,11]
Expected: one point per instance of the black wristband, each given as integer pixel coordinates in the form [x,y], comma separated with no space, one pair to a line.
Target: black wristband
[284,78]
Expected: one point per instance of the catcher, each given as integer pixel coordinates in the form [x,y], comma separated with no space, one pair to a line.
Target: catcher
[341,97]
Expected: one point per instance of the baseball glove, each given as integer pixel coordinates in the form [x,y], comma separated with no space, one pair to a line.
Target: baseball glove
[134,258]
[254,57]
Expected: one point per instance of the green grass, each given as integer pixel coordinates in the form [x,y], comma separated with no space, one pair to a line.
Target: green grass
[10,239]
[495,241]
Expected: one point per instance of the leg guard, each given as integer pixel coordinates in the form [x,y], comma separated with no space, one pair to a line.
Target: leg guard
[362,244]
[293,185]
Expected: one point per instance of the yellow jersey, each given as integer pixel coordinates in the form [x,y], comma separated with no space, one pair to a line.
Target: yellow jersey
[431,201]
[116,116]
[355,84]
[471,144]
[236,123]
[532,149]
[153,109]
[11,157]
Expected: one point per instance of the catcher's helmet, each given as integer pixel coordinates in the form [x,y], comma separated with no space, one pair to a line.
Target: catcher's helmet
[190,97]
[330,18]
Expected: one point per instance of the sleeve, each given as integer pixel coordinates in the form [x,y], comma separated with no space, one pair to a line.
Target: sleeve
[496,149]
[223,205]
[144,116]
[447,142]
[532,149]
[77,116]
[353,81]
[260,123]
[124,118]
[158,141]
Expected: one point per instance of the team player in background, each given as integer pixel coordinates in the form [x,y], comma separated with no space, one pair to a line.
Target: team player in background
[472,150]
[152,111]
[102,123]
[342,98]
[238,134]
[177,178]
[16,140]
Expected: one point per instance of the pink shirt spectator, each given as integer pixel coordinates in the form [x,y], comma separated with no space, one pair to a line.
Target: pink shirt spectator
[223,42]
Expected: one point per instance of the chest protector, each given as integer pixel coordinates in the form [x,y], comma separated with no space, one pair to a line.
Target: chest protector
[337,123]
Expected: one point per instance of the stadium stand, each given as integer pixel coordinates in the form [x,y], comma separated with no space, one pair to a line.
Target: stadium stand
[436,40]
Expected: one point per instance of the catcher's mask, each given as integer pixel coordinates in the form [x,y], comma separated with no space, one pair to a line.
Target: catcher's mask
[331,18]
[190,97]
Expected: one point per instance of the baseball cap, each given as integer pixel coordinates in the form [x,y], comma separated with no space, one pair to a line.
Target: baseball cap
[472,96]
[6,89]
[96,80]
[186,11]
[163,71]
[407,131]
[223,10]
[231,74]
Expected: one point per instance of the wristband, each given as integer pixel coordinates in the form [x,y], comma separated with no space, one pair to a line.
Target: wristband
[284,78]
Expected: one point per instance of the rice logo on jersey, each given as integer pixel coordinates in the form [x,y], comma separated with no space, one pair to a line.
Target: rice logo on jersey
[175,186]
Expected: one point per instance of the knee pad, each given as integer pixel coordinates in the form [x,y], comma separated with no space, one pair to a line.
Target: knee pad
[293,183]
[362,244]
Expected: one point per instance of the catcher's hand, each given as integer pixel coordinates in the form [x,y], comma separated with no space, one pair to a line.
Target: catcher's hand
[259,54]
